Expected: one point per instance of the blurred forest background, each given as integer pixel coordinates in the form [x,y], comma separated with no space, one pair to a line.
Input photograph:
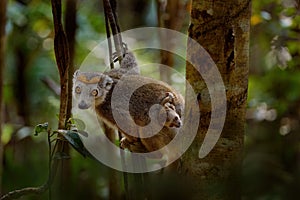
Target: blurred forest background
[271,167]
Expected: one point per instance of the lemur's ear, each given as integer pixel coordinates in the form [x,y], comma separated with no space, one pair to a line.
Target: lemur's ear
[170,95]
[108,83]
[105,82]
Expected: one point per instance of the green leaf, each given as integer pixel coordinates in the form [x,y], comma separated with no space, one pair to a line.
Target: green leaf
[74,139]
[41,128]
[79,123]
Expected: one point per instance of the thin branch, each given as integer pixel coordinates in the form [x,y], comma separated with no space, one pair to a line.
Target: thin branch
[70,27]
[113,4]
[33,190]
[52,85]
[124,167]
[61,49]
[107,27]
[114,28]
[25,191]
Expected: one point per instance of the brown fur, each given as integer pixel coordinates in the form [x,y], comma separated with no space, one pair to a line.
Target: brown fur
[152,92]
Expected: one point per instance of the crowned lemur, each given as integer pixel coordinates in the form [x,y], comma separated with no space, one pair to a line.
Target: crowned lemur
[94,89]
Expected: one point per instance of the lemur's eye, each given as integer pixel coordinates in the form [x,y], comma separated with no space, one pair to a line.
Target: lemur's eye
[78,90]
[94,92]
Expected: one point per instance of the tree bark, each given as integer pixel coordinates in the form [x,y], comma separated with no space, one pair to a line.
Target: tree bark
[222,29]
[62,55]
[70,27]
[3,5]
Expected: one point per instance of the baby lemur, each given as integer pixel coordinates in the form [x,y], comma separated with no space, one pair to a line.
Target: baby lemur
[129,66]
[94,89]
[173,119]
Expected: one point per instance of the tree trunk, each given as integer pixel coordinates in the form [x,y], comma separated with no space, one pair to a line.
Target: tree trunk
[62,55]
[222,29]
[70,27]
[3,4]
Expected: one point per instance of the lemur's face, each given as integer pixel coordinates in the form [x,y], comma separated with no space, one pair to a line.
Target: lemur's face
[173,118]
[90,88]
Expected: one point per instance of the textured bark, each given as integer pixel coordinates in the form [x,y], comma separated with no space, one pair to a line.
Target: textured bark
[3,4]
[222,29]
[62,55]
[62,60]
[70,27]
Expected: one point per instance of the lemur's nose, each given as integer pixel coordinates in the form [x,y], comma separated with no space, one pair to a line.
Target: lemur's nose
[177,123]
[83,105]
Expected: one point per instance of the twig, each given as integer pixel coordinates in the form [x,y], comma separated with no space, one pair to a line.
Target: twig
[124,167]
[107,27]
[114,28]
[34,190]
[25,191]
[53,86]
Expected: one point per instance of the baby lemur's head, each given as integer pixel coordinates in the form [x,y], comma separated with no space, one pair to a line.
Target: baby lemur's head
[173,118]
[90,88]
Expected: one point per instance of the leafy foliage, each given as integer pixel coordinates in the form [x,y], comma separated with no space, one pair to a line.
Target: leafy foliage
[270,167]
[41,128]
[74,139]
